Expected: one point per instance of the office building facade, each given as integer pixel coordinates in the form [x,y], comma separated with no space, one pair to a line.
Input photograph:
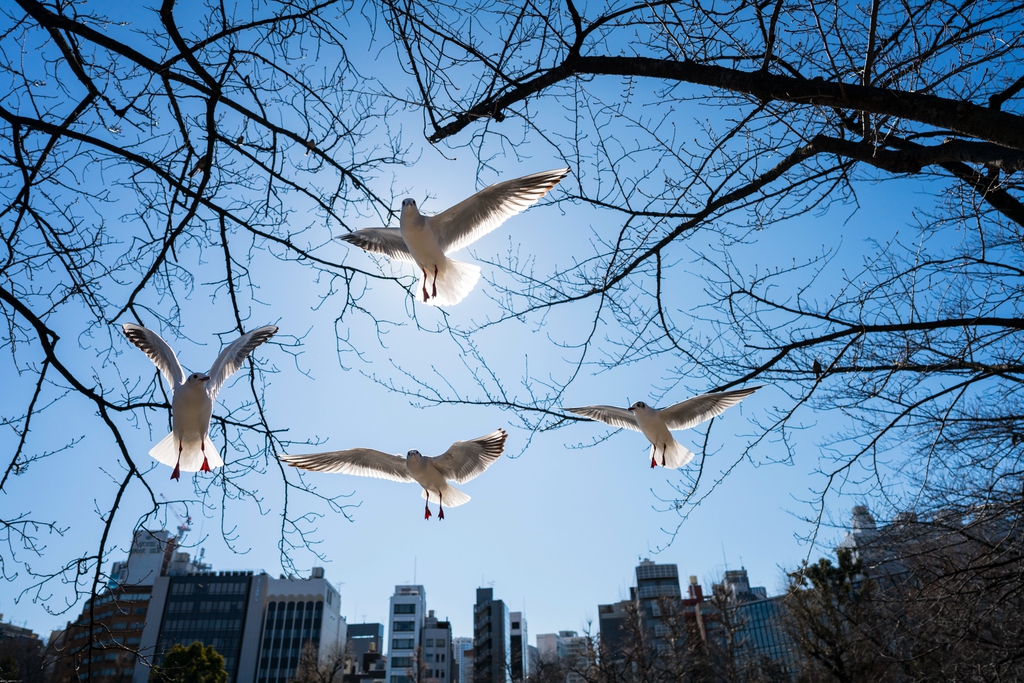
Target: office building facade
[406,614]
[519,646]
[492,645]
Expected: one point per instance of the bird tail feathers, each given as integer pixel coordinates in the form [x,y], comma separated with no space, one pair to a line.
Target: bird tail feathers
[455,280]
[675,456]
[452,497]
[192,454]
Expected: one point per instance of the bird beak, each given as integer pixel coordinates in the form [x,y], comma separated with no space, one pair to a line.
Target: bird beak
[204,379]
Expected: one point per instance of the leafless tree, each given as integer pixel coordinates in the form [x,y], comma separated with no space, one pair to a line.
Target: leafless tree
[702,133]
[151,156]
[326,669]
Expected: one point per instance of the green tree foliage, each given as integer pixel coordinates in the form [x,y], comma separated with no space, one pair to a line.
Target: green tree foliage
[194,663]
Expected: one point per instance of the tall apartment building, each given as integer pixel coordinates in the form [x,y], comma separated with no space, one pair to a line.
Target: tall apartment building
[463,647]
[519,646]
[100,643]
[492,647]
[438,650]
[406,615]
[657,589]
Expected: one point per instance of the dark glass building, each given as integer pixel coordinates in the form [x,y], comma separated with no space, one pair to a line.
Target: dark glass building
[491,639]
[210,609]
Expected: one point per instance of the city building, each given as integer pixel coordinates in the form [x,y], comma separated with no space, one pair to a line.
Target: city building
[101,643]
[519,644]
[438,651]
[363,640]
[300,613]
[492,645]
[365,648]
[407,613]
[567,649]
[22,646]
[463,647]
[150,554]
[759,639]
[260,625]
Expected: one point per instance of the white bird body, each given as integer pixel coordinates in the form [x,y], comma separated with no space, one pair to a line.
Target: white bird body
[452,280]
[188,447]
[426,240]
[673,454]
[463,461]
[657,425]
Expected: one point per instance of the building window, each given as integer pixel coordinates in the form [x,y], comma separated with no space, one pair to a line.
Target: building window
[430,657]
[401,662]
[405,609]
[440,642]
[515,624]
[402,643]
[399,679]
[404,626]
[430,642]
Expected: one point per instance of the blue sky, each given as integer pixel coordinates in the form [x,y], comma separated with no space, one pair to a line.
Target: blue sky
[555,528]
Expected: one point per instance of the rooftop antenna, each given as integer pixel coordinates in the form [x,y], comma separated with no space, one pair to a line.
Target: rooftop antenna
[724,559]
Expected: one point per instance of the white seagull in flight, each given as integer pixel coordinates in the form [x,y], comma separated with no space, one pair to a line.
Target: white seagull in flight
[465,460]
[188,447]
[655,424]
[425,240]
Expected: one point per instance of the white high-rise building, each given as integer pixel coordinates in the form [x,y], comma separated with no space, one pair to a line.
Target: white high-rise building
[408,609]
[462,644]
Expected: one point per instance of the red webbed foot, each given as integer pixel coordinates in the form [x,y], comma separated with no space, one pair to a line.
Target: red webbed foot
[206,465]
[176,474]
[654,463]
[426,513]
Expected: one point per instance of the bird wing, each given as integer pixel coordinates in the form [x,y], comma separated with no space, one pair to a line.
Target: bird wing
[232,357]
[362,462]
[472,218]
[467,459]
[158,351]
[692,412]
[616,417]
[387,241]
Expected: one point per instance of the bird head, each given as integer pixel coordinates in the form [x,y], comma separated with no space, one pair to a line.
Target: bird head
[639,405]
[413,453]
[407,203]
[198,377]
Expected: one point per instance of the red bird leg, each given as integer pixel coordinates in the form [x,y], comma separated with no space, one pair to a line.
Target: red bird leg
[435,281]
[440,506]
[654,463]
[426,509]
[176,474]
[425,295]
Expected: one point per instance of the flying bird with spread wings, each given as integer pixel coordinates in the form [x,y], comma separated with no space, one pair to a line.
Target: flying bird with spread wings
[188,447]
[465,460]
[655,424]
[425,240]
